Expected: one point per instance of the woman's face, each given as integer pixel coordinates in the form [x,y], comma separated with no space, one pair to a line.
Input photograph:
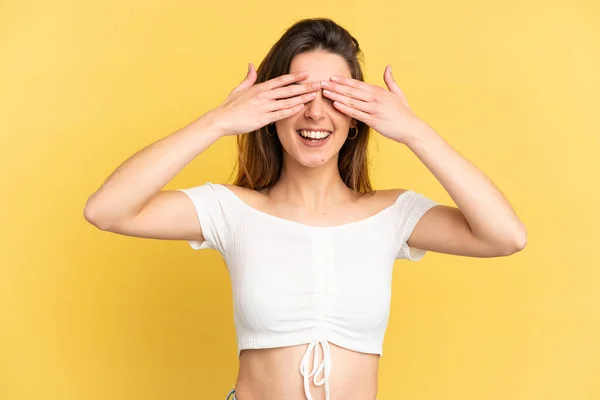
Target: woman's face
[318,114]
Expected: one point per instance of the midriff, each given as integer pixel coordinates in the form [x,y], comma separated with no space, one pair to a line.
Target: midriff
[273,374]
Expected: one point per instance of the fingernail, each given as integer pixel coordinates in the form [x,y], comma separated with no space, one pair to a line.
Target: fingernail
[334,78]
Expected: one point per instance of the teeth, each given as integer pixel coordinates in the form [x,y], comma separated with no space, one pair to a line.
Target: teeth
[314,134]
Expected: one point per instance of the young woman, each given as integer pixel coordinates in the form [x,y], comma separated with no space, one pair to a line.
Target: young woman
[308,244]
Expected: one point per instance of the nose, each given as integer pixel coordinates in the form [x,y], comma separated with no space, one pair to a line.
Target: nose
[315,109]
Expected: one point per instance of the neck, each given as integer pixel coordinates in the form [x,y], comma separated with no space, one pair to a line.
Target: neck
[313,188]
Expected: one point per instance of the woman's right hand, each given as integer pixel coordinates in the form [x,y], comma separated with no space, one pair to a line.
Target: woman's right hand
[249,107]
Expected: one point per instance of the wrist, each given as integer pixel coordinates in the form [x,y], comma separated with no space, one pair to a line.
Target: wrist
[420,134]
[211,124]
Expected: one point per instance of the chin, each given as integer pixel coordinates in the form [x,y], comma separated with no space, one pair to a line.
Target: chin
[311,154]
[313,160]
[315,153]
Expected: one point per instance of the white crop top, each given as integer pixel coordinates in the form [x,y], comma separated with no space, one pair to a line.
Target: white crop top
[294,283]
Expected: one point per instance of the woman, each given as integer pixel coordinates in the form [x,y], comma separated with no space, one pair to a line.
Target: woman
[308,244]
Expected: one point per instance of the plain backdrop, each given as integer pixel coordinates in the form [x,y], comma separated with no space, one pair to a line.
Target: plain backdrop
[86,314]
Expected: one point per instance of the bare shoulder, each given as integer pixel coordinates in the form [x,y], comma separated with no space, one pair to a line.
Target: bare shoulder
[242,191]
[253,198]
[365,205]
[236,189]
[384,197]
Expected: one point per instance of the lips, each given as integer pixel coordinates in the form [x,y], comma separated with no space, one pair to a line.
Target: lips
[310,142]
[314,129]
[313,133]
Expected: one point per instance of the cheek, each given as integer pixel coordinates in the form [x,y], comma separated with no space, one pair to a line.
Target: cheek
[283,125]
[337,116]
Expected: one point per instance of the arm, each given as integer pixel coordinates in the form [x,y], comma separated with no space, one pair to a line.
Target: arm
[131,202]
[484,224]
[135,185]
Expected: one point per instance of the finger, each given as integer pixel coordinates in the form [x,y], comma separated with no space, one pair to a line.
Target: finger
[283,80]
[353,112]
[349,101]
[293,90]
[355,83]
[248,80]
[285,113]
[291,102]
[393,86]
[348,91]
[391,82]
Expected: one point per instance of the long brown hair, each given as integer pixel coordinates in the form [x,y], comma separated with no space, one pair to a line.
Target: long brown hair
[260,155]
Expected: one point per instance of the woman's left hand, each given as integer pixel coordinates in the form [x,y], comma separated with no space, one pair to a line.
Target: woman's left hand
[386,111]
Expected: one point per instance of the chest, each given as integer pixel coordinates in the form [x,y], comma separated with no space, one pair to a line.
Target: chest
[288,267]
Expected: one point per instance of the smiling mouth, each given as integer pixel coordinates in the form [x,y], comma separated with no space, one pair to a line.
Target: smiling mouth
[313,136]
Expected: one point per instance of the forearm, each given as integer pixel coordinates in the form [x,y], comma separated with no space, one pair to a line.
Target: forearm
[488,212]
[139,178]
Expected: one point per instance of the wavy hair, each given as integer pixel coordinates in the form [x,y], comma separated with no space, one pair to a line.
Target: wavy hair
[260,156]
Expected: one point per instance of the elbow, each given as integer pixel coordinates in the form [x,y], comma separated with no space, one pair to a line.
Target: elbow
[517,243]
[522,240]
[507,244]
[91,215]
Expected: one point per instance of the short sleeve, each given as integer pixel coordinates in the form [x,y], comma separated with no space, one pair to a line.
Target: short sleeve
[211,216]
[408,210]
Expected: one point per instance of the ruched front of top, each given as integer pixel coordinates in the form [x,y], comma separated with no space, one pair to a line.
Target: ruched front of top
[295,284]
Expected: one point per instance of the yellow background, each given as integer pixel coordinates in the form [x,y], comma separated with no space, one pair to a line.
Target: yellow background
[86,314]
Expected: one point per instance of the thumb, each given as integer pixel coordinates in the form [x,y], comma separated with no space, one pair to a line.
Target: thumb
[392,86]
[389,80]
[248,80]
